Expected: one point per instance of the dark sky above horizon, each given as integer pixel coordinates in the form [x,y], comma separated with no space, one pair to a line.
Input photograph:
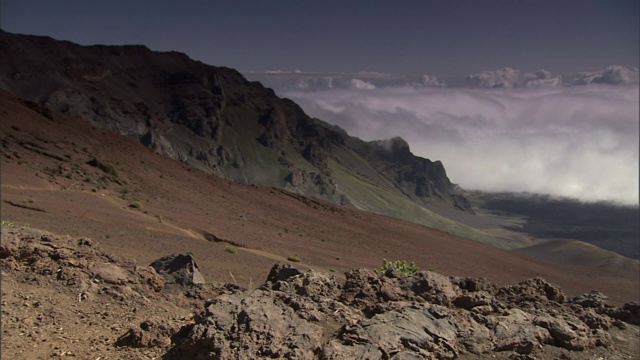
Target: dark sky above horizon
[454,37]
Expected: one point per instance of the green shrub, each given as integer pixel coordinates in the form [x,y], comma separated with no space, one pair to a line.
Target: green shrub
[11,224]
[6,223]
[399,266]
[136,204]
[294,258]
[230,249]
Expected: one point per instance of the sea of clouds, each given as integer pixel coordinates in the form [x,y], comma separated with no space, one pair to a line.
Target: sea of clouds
[503,130]
[571,141]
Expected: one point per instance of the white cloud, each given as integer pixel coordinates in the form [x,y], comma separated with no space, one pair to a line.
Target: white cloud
[430,81]
[512,78]
[613,75]
[361,85]
[579,142]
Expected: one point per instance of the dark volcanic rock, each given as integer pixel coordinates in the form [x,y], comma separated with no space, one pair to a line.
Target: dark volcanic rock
[179,271]
[593,299]
[280,272]
[310,316]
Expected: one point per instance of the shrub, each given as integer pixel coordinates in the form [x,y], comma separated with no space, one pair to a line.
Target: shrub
[401,267]
[230,249]
[10,224]
[6,223]
[135,204]
[104,167]
[294,258]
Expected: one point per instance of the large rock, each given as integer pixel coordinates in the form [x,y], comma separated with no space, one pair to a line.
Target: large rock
[245,326]
[179,271]
[593,299]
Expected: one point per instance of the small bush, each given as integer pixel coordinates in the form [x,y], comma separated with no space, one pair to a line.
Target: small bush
[230,249]
[109,169]
[294,258]
[399,266]
[6,223]
[135,204]
[11,224]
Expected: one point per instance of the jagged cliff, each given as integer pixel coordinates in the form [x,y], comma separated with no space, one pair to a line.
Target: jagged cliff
[214,119]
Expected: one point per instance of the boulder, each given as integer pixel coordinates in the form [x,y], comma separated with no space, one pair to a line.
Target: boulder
[593,299]
[179,271]
[280,272]
[249,326]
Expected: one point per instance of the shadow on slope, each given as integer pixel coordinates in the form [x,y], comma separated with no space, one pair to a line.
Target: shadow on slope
[575,252]
[605,225]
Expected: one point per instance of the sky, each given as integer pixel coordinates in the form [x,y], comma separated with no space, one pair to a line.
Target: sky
[450,37]
[362,65]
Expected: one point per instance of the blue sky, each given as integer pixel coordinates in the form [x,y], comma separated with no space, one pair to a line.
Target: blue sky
[436,37]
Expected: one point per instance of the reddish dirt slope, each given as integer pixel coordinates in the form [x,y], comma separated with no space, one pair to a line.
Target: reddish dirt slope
[47,182]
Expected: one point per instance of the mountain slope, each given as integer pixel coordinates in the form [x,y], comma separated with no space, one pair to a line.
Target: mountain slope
[213,119]
[62,174]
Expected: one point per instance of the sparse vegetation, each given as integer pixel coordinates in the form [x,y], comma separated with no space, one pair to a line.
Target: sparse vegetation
[399,266]
[136,204]
[230,249]
[109,169]
[11,224]
[6,223]
[294,258]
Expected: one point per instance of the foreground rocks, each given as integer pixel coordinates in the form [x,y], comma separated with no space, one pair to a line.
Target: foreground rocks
[293,315]
[427,315]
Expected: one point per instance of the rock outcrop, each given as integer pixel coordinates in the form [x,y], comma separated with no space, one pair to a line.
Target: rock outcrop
[427,315]
[302,315]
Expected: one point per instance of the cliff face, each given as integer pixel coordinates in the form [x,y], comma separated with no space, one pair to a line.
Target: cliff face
[214,119]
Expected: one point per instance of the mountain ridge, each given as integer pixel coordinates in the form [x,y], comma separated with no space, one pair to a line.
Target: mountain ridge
[213,119]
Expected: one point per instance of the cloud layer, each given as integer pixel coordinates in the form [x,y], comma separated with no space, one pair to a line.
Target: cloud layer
[510,78]
[579,142]
[502,78]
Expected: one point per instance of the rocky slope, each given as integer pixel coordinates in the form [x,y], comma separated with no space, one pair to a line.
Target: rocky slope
[62,174]
[65,296]
[214,119]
